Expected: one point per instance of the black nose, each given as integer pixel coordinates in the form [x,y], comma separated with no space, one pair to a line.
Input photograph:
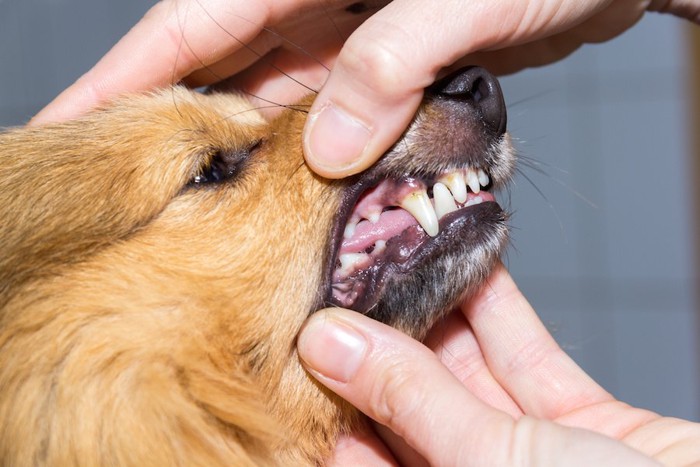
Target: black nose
[479,89]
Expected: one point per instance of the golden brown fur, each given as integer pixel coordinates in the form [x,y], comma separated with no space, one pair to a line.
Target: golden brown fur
[147,321]
[135,311]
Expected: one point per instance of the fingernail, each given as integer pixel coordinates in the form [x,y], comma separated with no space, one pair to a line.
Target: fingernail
[331,348]
[335,140]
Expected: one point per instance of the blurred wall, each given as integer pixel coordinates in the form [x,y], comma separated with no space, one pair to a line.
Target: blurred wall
[605,255]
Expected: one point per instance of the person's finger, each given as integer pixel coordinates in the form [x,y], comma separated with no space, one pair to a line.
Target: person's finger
[374,367]
[379,77]
[403,453]
[172,40]
[523,356]
[283,78]
[453,341]
[688,9]
[399,383]
[313,40]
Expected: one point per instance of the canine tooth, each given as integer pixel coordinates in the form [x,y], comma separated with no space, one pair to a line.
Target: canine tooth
[444,202]
[373,217]
[473,181]
[476,200]
[349,261]
[457,185]
[483,178]
[418,204]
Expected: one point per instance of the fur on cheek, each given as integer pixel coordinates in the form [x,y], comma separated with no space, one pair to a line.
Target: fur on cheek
[144,324]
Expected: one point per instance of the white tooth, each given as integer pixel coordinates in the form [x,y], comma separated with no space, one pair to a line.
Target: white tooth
[473,181]
[349,230]
[444,202]
[350,261]
[483,178]
[418,204]
[457,185]
[475,200]
[379,247]
[373,217]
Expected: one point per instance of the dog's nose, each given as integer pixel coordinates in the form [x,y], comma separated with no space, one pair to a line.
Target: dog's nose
[479,89]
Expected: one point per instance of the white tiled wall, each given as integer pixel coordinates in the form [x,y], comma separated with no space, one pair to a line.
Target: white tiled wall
[612,276]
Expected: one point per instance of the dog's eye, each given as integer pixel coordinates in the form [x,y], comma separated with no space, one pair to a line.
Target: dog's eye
[222,166]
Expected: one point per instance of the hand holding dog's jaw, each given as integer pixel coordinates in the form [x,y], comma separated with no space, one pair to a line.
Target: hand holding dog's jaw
[497,390]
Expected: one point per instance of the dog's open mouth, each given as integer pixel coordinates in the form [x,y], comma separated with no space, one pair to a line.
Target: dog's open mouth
[422,225]
[395,224]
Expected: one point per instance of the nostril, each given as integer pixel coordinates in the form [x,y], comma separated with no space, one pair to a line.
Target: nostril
[477,87]
[480,90]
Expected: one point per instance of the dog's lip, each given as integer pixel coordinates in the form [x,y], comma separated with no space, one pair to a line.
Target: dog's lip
[450,229]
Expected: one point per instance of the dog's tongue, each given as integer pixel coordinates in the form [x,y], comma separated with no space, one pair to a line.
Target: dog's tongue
[367,233]
[391,220]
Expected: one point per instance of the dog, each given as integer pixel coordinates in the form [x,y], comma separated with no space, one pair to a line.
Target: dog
[160,255]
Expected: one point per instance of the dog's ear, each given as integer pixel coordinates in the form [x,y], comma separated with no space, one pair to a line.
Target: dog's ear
[69,189]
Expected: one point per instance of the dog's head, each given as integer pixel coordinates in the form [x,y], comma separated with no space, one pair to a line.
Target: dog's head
[159,257]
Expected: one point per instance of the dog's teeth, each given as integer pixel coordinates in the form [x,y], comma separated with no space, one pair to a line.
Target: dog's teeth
[373,217]
[351,261]
[475,200]
[473,181]
[379,247]
[483,178]
[419,205]
[457,184]
[444,202]
[349,230]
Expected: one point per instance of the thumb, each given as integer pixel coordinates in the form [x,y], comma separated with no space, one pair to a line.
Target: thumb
[401,384]
[396,381]
[377,82]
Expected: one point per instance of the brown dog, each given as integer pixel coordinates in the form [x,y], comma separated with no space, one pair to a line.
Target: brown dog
[159,257]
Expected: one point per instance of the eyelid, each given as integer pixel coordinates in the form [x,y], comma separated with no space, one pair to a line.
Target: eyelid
[222,166]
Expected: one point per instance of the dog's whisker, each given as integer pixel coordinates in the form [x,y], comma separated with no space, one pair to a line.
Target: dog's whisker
[251,49]
[536,166]
[545,199]
[531,98]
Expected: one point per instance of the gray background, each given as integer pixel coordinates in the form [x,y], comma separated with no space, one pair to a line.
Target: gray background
[606,256]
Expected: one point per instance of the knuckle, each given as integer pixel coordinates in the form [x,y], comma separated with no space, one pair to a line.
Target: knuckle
[533,354]
[383,64]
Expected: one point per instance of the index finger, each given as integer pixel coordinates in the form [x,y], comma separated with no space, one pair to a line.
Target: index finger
[523,356]
[172,40]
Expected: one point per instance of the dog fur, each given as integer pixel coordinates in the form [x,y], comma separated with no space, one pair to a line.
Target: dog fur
[144,321]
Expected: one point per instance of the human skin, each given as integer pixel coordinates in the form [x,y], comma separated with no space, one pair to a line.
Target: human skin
[490,387]
[369,85]
[368,90]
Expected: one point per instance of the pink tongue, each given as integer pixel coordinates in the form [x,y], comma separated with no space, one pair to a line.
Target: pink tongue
[391,223]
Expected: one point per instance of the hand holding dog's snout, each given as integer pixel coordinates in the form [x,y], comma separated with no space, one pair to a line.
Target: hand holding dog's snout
[490,386]
[370,84]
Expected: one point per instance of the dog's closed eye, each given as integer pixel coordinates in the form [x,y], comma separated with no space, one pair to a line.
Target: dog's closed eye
[222,166]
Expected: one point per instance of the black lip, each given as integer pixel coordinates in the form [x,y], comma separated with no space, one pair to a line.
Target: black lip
[359,184]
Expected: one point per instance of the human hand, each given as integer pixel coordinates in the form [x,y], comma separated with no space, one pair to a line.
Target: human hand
[378,78]
[493,388]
